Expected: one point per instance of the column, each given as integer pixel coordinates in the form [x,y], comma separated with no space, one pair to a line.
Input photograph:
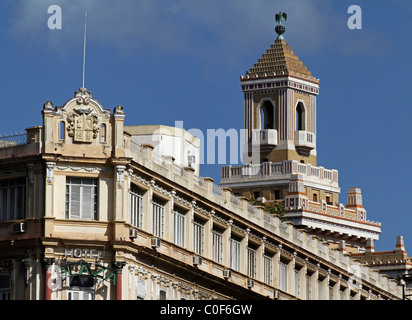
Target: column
[304,283]
[291,274]
[118,266]
[226,237]
[276,266]
[47,264]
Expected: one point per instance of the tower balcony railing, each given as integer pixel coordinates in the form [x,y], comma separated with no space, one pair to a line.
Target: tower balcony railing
[305,139]
[278,170]
[267,137]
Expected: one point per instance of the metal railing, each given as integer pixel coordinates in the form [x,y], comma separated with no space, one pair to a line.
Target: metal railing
[13,139]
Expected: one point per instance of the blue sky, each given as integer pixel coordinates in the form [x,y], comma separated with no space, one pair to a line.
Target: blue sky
[171,60]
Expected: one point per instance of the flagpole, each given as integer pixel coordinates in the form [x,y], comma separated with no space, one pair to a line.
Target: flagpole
[84,46]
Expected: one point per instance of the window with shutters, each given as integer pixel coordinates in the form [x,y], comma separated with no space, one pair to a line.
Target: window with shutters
[283,276]
[308,287]
[267,269]
[198,236]
[179,226]
[80,294]
[251,262]
[136,206]
[217,246]
[158,207]
[297,283]
[13,199]
[235,254]
[320,289]
[81,198]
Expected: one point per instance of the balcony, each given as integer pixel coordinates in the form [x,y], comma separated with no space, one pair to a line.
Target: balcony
[270,172]
[305,140]
[268,137]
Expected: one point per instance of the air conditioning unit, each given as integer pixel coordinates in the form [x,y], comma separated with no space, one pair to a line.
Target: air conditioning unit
[156,242]
[276,295]
[132,233]
[197,260]
[18,227]
[250,283]
[227,273]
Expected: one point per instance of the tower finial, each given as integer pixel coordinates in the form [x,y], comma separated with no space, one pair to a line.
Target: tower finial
[280,29]
[84,47]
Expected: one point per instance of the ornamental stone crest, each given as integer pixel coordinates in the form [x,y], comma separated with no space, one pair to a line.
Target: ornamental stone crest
[83,125]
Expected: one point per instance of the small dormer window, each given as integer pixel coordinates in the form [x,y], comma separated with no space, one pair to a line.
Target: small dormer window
[62,130]
[103,132]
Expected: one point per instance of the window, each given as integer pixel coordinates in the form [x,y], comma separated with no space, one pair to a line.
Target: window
[103,133]
[179,226]
[13,199]
[162,294]
[267,269]
[158,217]
[277,194]
[283,276]
[62,130]
[297,283]
[136,206]
[308,288]
[315,197]
[268,113]
[81,198]
[341,291]
[198,236]
[4,287]
[217,246]
[320,289]
[328,200]
[235,254]
[80,294]
[331,292]
[300,116]
[251,262]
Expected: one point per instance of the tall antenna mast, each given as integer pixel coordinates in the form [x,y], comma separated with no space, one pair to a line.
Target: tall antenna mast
[84,46]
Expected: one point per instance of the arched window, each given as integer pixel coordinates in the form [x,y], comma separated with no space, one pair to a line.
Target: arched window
[103,133]
[267,116]
[62,130]
[300,117]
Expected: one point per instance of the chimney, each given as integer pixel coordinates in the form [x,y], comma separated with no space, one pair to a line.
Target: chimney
[342,246]
[369,246]
[354,198]
[400,245]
